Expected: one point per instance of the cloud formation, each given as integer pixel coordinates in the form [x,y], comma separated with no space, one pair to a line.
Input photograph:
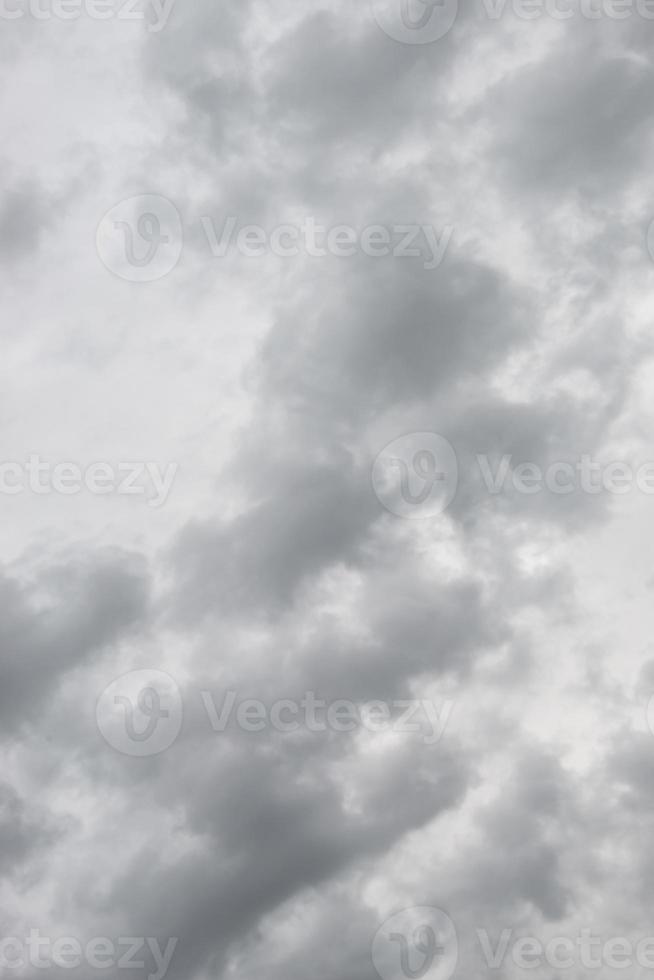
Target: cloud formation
[276,570]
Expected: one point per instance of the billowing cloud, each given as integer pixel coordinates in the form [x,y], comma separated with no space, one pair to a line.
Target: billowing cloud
[332,676]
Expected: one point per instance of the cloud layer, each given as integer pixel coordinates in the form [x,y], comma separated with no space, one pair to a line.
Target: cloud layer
[277,569]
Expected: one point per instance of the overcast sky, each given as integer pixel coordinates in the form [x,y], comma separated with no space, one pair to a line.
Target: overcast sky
[327,489]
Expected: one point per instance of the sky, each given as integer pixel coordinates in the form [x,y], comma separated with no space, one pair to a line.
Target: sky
[327,484]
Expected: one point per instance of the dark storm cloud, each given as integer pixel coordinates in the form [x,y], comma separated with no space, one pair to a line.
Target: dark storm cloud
[271,827]
[315,516]
[562,132]
[555,430]
[332,81]
[535,808]
[349,346]
[25,213]
[425,629]
[275,855]
[24,829]
[384,334]
[334,87]
[57,620]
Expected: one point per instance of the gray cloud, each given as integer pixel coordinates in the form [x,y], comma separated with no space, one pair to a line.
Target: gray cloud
[274,569]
